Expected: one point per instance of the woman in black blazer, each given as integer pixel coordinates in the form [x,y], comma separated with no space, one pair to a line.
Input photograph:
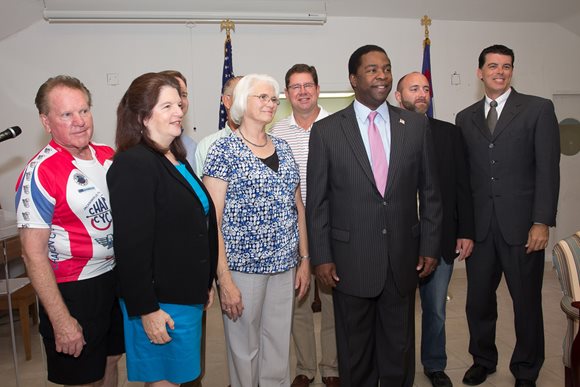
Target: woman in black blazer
[165,235]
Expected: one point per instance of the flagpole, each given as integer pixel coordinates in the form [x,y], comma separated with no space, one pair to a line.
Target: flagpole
[426,68]
[228,67]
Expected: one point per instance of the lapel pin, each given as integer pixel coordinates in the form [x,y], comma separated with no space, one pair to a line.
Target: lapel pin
[401,121]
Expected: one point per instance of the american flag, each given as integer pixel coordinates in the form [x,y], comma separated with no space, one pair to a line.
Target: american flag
[227,73]
[426,70]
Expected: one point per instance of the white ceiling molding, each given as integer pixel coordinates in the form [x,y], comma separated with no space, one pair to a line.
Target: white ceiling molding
[186,11]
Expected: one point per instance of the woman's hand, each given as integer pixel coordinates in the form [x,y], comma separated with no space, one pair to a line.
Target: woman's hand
[303,277]
[230,297]
[210,298]
[155,326]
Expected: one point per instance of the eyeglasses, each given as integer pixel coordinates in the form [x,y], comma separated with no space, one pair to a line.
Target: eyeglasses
[265,98]
[297,86]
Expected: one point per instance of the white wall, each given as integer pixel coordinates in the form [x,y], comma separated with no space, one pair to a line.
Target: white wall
[546,62]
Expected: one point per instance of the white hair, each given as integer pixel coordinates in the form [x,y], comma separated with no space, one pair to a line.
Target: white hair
[243,90]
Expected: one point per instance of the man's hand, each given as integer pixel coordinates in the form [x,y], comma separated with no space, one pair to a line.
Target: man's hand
[68,336]
[68,333]
[326,274]
[155,326]
[537,238]
[464,248]
[426,266]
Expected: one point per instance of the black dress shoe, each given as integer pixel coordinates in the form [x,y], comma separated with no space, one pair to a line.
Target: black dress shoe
[476,374]
[525,383]
[301,381]
[439,378]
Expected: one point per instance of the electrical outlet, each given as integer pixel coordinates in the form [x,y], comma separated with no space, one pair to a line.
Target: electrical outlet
[112,79]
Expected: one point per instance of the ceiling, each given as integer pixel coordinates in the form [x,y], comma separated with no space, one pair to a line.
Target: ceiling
[16,15]
[468,10]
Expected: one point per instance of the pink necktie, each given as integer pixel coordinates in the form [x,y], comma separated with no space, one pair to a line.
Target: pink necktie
[378,155]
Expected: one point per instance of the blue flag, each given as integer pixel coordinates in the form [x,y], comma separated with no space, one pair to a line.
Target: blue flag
[227,73]
[426,70]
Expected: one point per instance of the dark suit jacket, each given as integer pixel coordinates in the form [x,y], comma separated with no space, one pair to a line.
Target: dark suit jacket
[363,231]
[165,250]
[515,174]
[455,187]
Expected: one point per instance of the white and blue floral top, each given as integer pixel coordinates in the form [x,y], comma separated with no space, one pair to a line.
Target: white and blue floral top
[260,219]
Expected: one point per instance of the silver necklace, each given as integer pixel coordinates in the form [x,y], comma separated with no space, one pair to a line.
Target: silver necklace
[251,143]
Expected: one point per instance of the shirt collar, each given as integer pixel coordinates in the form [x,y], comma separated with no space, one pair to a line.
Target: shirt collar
[227,128]
[321,114]
[501,99]
[362,112]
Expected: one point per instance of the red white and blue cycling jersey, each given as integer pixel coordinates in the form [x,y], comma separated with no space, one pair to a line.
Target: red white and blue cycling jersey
[53,192]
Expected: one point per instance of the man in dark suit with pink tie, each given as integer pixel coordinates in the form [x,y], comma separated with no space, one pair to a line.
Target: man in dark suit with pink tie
[366,166]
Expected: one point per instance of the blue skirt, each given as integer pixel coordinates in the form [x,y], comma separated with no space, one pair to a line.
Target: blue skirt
[177,361]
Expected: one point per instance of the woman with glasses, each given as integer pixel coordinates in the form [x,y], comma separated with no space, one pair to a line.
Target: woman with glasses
[263,250]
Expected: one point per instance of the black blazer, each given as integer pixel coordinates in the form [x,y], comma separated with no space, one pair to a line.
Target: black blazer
[165,246]
[363,231]
[515,174]
[455,187]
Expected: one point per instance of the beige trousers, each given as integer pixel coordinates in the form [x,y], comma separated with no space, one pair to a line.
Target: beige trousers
[304,335]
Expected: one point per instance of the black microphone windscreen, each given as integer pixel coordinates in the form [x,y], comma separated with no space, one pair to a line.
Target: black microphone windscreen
[9,133]
[16,130]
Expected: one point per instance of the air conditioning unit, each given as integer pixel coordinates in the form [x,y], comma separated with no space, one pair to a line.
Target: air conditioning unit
[186,11]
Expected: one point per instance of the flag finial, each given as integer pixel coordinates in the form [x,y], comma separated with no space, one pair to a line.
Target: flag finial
[426,22]
[227,25]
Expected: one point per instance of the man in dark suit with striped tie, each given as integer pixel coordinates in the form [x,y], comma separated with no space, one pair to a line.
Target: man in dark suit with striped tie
[513,147]
[366,166]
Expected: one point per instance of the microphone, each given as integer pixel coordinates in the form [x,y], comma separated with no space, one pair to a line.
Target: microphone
[9,133]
